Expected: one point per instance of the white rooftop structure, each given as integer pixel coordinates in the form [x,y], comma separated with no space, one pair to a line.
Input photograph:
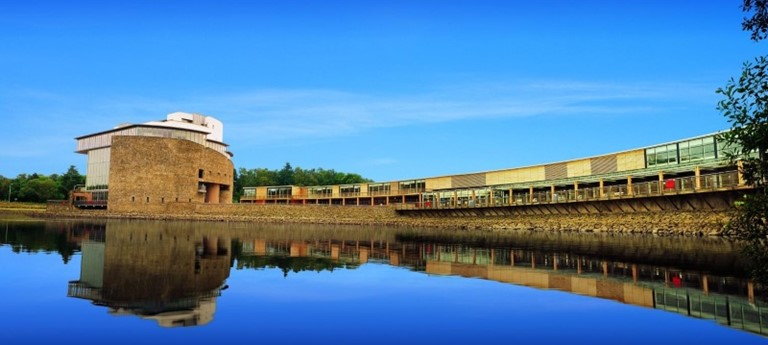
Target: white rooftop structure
[181,120]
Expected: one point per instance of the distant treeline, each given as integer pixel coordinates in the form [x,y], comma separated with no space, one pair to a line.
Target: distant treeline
[289,175]
[41,188]
[38,187]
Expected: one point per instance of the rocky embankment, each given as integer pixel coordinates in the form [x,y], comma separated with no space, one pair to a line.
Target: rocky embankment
[661,223]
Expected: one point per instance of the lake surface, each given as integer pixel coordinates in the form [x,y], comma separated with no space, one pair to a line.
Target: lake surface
[184,282]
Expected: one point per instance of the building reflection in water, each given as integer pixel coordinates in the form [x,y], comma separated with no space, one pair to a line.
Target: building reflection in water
[167,273]
[173,272]
[703,281]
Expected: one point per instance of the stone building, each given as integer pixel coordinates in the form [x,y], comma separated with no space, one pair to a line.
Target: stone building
[145,167]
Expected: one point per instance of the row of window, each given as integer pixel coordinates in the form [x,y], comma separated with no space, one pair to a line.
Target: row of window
[688,151]
[279,192]
[684,152]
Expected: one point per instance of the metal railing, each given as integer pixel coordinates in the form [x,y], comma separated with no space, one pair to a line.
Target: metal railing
[680,185]
[90,203]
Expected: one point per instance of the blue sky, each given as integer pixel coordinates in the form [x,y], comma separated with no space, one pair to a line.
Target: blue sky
[388,89]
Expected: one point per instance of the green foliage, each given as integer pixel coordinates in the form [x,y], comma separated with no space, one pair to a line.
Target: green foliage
[285,175]
[40,188]
[751,226]
[5,183]
[69,180]
[289,175]
[745,105]
[758,23]
[292,264]
[31,237]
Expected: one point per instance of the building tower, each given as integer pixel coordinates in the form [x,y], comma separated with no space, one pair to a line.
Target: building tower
[148,167]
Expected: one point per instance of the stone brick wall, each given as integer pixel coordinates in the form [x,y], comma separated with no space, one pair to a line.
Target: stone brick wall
[147,173]
[698,223]
[330,214]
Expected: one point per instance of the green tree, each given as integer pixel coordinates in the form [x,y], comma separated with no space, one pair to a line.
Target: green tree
[69,180]
[18,184]
[289,175]
[758,23]
[39,189]
[265,177]
[285,175]
[745,105]
[5,183]
[237,186]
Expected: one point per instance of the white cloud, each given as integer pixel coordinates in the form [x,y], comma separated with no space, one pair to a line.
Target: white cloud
[287,114]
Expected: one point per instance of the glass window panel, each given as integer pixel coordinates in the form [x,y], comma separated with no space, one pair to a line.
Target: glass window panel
[697,152]
[684,154]
[650,156]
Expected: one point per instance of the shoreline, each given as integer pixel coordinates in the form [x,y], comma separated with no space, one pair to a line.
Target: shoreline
[684,223]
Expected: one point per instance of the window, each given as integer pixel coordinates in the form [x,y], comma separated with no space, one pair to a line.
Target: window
[320,192]
[661,155]
[410,187]
[200,173]
[697,149]
[279,192]
[378,189]
[349,190]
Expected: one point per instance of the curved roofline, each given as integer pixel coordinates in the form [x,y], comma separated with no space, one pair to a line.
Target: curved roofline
[218,142]
[140,125]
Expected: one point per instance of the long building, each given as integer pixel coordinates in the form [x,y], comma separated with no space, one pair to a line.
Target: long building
[693,164]
[141,167]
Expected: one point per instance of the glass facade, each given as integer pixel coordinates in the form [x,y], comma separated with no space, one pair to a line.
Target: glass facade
[724,150]
[320,192]
[411,187]
[378,189]
[697,149]
[279,192]
[102,140]
[661,155]
[97,171]
[219,147]
[353,190]
[688,151]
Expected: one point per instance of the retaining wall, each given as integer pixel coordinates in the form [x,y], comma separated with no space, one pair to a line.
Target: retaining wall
[667,222]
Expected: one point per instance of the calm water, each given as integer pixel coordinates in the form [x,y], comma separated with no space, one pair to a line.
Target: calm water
[163,282]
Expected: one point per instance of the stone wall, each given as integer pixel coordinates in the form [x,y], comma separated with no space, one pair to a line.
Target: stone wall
[662,223]
[147,173]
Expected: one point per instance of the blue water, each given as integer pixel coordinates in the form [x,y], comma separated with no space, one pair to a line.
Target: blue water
[370,302]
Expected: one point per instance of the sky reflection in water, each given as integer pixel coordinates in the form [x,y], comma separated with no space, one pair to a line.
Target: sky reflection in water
[374,302]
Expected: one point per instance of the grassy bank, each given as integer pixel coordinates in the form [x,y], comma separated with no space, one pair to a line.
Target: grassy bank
[20,210]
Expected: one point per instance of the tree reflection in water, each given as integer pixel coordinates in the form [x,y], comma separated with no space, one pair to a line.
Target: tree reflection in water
[173,272]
